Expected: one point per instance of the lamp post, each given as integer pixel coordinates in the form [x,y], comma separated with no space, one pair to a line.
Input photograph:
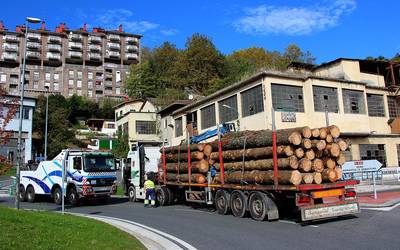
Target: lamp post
[21,108]
[237,114]
[47,115]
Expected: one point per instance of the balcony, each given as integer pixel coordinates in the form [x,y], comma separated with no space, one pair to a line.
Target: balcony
[75,46]
[75,54]
[54,47]
[53,56]
[33,45]
[94,56]
[75,37]
[33,54]
[6,56]
[10,47]
[99,86]
[54,39]
[94,39]
[11,38]
[131,40]
[92,47]
[131,48]
[113,37]
[113,46]
[33,37]
[113,54]
[131,56]
[108,83]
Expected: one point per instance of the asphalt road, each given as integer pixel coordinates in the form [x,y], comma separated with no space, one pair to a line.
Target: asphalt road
[205,229]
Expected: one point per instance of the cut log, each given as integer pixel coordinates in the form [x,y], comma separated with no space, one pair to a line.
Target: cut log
[184,148]
[341,159]
[299,153]
[318,165]
[317,178]
[207,150]
[264,164]
[334,131]
[310,154]
[197,167]
[196,178]
[339,173]
[315,133]
[308,178]
[329,175]
[342,145]
[306,132]
[252,153]
[305,165]
[329,138]
[194,156]
[323,132]
[306,143]
[329,162]
[333,149]
[318,144]
[263,177]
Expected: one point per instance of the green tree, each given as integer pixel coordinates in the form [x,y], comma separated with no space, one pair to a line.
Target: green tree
[142,82]
[121,148]
[106,108]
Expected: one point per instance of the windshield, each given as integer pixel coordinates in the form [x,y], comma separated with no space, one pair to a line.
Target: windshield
[99,164]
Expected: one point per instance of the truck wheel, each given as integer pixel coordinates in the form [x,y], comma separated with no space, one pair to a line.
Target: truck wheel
[132,193]
[258,206]
[162,196]
[222,199]
[57,196]
[22,196]
[30,194]
[73,197]
[171,196]
[238,203]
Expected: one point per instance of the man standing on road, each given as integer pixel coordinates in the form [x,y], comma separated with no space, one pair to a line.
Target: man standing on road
[149,189]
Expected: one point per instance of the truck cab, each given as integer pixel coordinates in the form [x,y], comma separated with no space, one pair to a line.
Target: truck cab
[141,159]
[87,174]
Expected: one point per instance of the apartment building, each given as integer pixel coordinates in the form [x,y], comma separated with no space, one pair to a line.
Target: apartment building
[359,96]
[86,63]
[138,118]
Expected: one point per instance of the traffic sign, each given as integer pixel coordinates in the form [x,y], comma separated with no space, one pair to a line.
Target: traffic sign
[361,166]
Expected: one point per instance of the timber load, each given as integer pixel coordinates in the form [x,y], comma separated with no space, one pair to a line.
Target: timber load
[304,156]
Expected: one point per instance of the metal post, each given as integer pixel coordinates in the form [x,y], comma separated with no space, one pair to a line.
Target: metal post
[326,116]
[45,132]
[64,162]
[21,108]
[274,149]
[221,161]
[189,160]
[373,178]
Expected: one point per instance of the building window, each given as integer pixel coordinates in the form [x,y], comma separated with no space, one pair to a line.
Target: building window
[373,152]
[325,99]
[90,93]
[47,76]
[393,108]
[79,92]
[353,101]
[191,118]
[208,117]
[178,127]
[3,77]
[71,82]
[36,75]
[375,105]
[35,84]
[55,86]
[146,127]
[79,74]
[71,74]
[118,91]
[287,98]
[90,84]
[56,76]
[79,83]
[111,126]
[90,75]
[252,101]
[228,109]
[26,113]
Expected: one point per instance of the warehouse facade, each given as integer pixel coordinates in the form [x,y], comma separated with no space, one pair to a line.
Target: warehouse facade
[346,92]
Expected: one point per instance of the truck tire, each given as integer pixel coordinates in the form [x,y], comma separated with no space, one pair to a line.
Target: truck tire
[132,193]
[30,194]
[171,196]
[73,197]
[162,196]
[258,206]
[57,195]
[22,195]
[222,200]
[238,203]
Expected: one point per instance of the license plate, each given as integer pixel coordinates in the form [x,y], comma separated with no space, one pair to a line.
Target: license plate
[329,211]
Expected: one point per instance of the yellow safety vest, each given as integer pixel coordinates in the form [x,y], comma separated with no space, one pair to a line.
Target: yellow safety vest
[149,184]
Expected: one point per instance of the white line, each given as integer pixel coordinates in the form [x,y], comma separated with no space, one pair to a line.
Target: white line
[384,209]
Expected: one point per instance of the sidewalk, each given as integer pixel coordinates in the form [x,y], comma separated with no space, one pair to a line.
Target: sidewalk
[387,195]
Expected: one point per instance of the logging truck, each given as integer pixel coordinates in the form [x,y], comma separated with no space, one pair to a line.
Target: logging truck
[258,173]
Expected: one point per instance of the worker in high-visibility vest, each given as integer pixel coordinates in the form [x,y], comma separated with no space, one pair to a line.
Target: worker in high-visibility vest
[150,192]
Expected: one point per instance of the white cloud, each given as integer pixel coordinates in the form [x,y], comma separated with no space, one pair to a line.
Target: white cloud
[169,32]
[111,19]
[293,20]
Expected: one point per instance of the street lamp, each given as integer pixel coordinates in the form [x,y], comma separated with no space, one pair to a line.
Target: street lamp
[47,114]
[21,106]
[237,114]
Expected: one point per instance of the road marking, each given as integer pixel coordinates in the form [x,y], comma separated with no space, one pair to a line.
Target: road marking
[295,223]
[384,209]
[189,210]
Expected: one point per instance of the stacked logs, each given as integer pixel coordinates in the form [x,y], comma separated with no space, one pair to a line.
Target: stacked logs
[304,156]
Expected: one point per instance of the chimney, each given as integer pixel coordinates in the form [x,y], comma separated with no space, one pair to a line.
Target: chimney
[120,28]
[60,28]
[43,25]
[84,27]
[20,28]
[1,25]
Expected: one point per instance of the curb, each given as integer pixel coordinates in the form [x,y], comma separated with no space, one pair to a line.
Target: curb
[382,205]
[151,238]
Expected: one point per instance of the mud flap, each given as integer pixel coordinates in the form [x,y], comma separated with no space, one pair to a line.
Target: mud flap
[272,213]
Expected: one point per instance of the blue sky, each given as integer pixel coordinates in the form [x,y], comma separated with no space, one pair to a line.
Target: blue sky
[328,28]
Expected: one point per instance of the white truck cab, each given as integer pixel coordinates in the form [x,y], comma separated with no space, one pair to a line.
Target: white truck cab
[141,159]
[89,174]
